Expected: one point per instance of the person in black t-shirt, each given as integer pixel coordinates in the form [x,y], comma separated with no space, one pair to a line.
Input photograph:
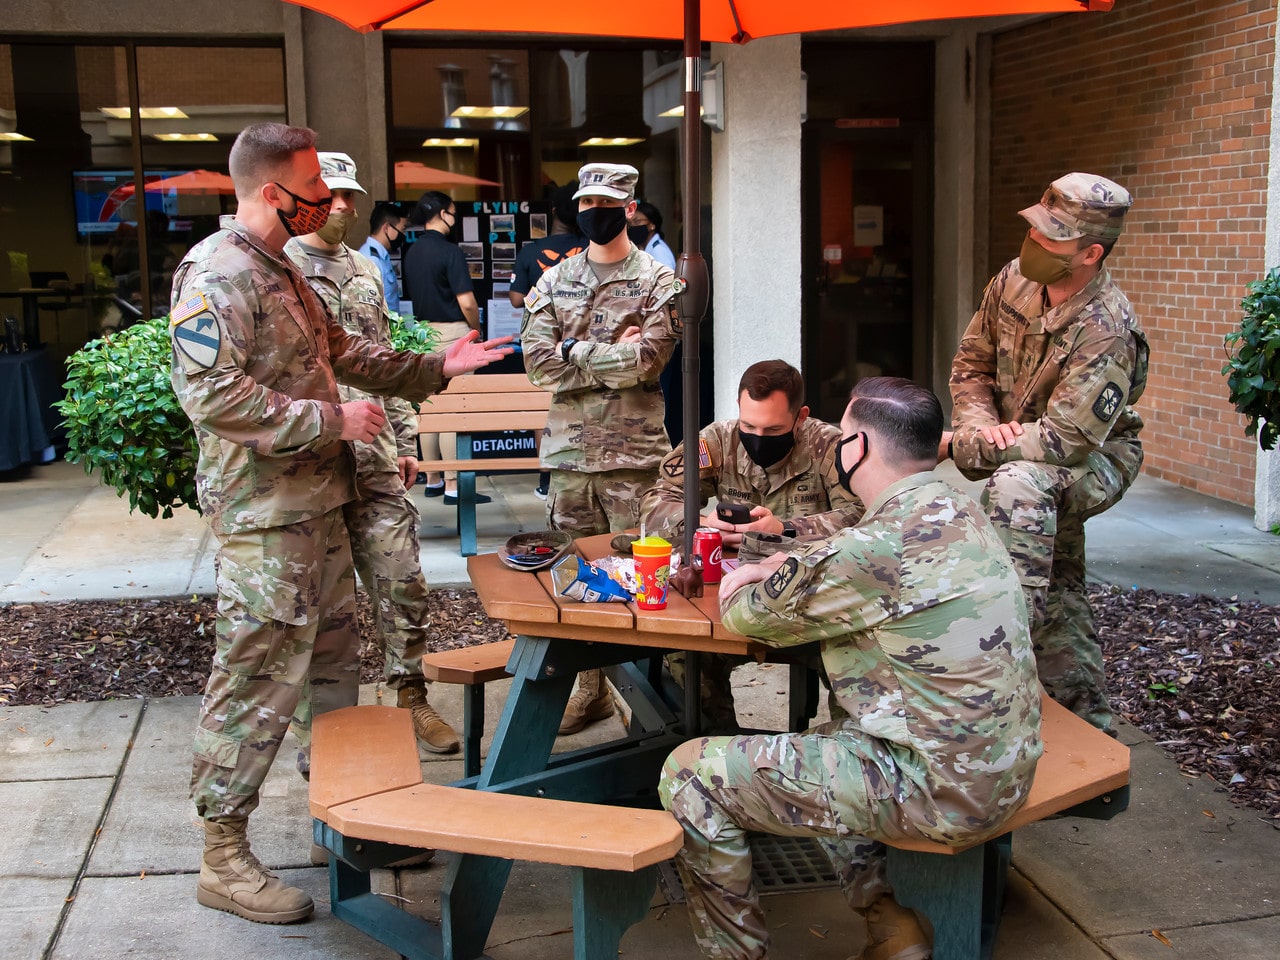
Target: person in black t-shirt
[436,279]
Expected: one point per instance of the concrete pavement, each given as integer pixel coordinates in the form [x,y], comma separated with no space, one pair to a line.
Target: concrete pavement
[100,846]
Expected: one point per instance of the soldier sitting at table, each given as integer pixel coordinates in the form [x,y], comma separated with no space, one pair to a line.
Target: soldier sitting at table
[774,457]
[925,641]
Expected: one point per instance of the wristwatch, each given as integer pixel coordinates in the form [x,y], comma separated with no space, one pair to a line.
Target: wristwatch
[566,346]
[788,529]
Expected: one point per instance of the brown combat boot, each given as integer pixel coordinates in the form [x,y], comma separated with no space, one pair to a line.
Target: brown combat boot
[894,933]
[589,703]
[431,731]
[232,879]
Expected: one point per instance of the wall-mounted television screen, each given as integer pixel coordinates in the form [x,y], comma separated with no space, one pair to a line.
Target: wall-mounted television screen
[105,199]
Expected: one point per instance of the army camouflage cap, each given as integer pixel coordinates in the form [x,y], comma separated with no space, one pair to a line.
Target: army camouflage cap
[1079,205]
[339,172]
[615,180]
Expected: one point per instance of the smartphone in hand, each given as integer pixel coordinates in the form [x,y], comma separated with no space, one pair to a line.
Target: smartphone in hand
[732,512]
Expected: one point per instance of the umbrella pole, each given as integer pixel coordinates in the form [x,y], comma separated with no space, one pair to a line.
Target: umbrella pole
[693,292]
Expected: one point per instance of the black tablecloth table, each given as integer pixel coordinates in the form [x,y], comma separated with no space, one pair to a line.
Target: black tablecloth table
[29,426]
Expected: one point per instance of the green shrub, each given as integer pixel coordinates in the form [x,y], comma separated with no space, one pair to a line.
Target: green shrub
[123,419]
[1253,360]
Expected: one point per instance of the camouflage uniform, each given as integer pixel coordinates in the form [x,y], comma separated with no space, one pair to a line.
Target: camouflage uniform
[802,489]
[1069,374]
[924,639]
[605,435]
[382,521]
[254,365]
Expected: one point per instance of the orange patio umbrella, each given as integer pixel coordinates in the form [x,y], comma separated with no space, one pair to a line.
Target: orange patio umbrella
[692,21]
[410,173]
[204,182]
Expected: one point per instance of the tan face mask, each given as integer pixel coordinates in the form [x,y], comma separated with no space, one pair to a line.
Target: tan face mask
[335,228]
[1038,264]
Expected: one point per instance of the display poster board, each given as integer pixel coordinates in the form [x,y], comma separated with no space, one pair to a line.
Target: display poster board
[490,233]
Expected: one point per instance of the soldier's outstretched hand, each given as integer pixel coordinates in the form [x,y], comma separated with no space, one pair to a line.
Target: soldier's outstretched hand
[362,420]
[468,354]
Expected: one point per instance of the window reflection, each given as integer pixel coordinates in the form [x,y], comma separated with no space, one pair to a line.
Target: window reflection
[82,250]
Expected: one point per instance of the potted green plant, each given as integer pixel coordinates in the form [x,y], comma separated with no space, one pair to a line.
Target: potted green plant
[1253,360]
[123,419]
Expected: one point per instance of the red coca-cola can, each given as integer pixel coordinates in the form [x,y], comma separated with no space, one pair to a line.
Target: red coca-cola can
[708,544]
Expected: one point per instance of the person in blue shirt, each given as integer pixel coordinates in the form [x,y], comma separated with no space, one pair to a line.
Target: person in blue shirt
[645,230]
[386,236]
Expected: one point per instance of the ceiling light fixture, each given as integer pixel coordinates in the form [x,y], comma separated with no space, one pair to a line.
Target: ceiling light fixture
[146,113]
[611,141]
[14,137]
[186,137]
[450,142]
[490,113]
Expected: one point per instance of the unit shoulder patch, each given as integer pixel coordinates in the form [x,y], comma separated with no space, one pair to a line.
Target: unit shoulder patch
[198,338]
[781,578]
[1108,402]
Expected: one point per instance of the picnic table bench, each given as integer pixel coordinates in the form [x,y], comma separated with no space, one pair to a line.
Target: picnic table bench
[1083,772]
[478,403]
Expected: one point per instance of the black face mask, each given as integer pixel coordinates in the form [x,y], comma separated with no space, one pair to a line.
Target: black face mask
[766,451]
[639,235]
[846,476]
[398,243]
[602,224]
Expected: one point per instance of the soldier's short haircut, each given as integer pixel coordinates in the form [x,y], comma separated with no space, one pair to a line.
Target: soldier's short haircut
[262,151]
[769,376]
[384,213]
[1106,243]
[905,415]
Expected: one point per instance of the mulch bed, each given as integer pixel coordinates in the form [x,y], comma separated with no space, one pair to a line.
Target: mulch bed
[1200,675]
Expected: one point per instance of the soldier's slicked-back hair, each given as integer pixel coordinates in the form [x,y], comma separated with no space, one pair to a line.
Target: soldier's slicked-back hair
[769,376]
[262,151]
[430,205]
[904,415]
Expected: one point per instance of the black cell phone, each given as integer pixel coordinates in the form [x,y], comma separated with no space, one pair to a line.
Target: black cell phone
[731,512]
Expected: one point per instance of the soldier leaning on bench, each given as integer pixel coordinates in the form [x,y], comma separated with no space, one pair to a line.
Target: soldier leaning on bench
[924,640]
[1043,387]
[256,360]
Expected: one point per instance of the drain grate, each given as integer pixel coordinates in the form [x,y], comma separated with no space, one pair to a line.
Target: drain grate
[780,865]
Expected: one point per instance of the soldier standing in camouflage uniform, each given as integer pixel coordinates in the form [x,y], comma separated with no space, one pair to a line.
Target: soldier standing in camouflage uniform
[256,358]
[1043,388]
[382,521]
[598,328]
[924,638]
[775,457]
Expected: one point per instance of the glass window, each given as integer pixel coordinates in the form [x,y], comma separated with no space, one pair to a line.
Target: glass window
[525,120]
[72,226]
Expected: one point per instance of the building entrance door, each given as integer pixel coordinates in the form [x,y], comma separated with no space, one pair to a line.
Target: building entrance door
[867,262]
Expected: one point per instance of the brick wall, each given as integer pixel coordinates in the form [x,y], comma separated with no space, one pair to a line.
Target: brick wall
[1172,99]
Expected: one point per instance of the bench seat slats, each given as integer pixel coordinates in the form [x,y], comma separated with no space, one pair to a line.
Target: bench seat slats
[512,827]
[359,751]
[483,466]
[529,398]
[432,422]
[489,383]
[479,664]
[1080,762]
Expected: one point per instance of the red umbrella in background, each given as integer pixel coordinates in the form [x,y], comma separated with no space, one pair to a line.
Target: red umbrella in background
[693,21]
[201,182]
[410,173]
